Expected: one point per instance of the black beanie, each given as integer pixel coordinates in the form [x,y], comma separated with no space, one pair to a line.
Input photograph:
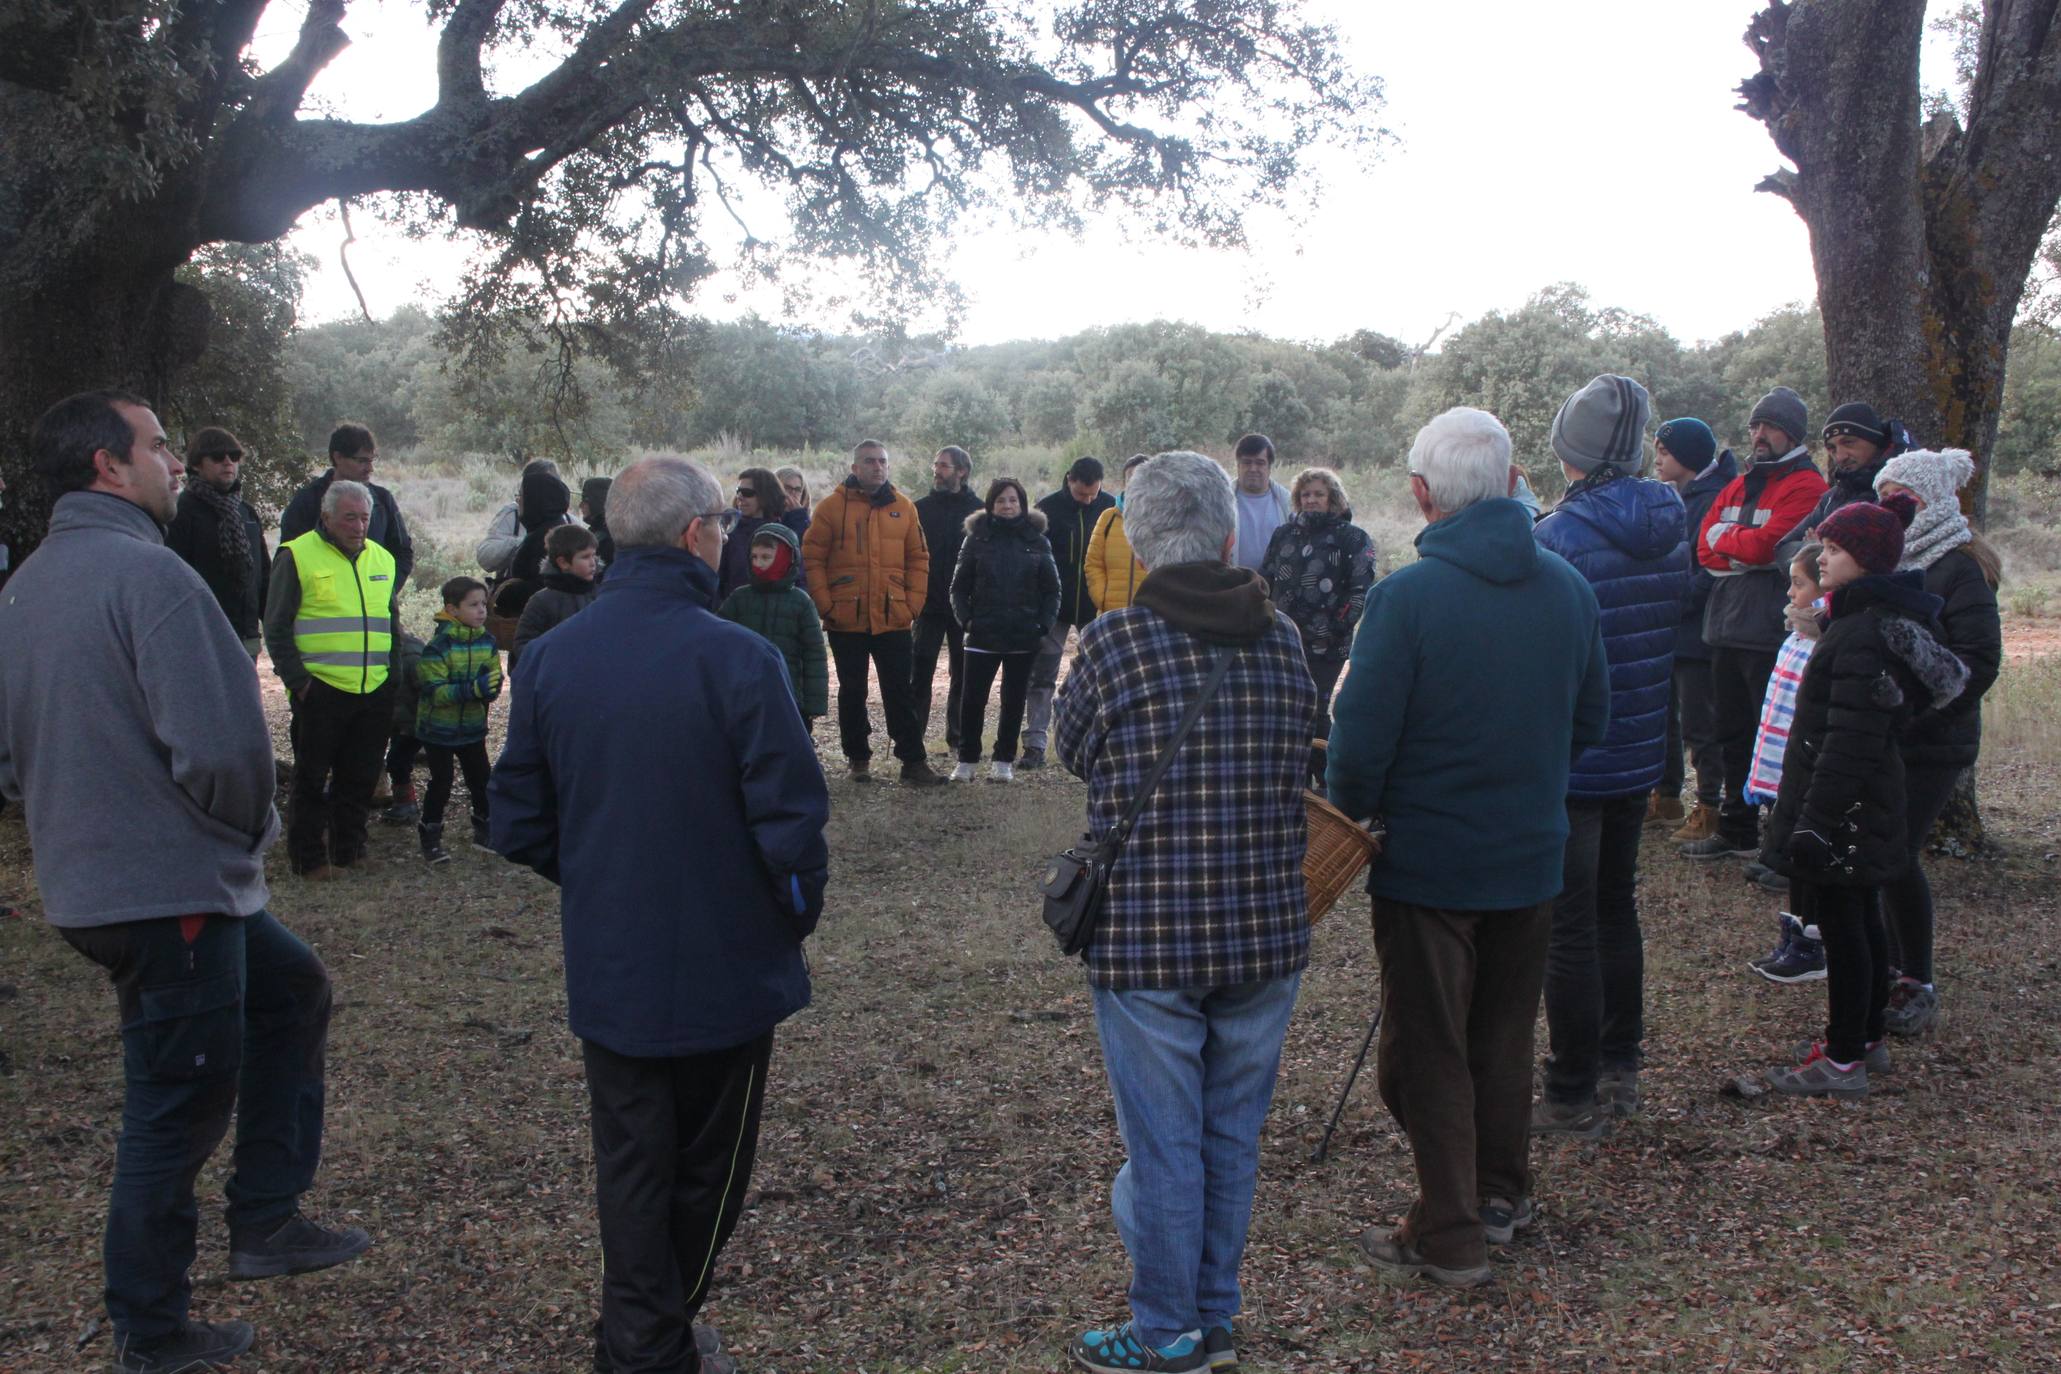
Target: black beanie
[1859,419]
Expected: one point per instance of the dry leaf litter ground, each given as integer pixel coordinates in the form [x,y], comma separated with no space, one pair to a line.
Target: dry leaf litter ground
[932,1187]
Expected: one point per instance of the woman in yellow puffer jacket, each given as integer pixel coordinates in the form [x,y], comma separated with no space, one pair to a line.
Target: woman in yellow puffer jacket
[1113,572]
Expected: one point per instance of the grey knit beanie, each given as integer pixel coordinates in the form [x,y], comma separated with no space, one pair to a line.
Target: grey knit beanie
[1603,425]
[1785,410]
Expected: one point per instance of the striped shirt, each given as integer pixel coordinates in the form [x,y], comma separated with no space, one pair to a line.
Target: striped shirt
[1777,716]
[1209,889]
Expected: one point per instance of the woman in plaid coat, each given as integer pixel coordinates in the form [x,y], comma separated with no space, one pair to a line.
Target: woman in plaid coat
[1205,931]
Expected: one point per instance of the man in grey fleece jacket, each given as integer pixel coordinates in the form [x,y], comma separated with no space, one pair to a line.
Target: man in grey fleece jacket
[132,730]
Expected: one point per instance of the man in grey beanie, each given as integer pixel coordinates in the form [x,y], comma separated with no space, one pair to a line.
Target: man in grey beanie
[1743,622]
[1627,538]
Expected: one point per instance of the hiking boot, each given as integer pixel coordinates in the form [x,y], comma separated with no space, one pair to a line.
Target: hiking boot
[998,771]
[1502,1219]
[1818,1076]
[1787,930]
[1663,810]
[1720,847]
[917,773]
[860,770]
[193,1347]
[1118,1350]
[1760,875]
[1221,1347]
[1582,1119]
[1032,760]
[295,1246]
[1913,1008]
[963,773]
[479,833]
[1701,825]
[1617,1091]
[1396,1259]
[1802,962]
[432,837]
[404,809]
[1875,1057]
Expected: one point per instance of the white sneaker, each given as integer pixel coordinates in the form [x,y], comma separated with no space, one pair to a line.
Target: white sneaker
[1001,772]
[963,773]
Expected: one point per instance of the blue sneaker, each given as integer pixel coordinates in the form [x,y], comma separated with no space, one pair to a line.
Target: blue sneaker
[1117,1350]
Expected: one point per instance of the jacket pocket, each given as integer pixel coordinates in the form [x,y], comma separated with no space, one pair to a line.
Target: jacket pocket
[186,1031]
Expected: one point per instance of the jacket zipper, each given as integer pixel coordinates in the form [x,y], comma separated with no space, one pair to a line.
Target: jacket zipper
[364,632]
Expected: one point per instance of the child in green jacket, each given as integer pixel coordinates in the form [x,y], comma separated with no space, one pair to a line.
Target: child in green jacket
[782,613]
[459,674]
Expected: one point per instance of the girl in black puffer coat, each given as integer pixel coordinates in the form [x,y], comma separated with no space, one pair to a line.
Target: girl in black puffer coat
[1838,824]
[1005,595]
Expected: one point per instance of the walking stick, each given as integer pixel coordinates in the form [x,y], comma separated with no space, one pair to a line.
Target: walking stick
[1323,1149]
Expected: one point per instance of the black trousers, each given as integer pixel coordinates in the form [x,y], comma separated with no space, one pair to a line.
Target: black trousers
[973,705]
[1596,960]
[1849,920]
[889,655]
[674,1143]
[1738,686]
[1459,996]
[1907,900]
[401,753]
[932,633]
[339,742]
[470,757]
[1692,731]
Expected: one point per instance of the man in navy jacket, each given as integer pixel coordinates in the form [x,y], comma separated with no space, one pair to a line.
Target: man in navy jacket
[658,770]
[1625,536]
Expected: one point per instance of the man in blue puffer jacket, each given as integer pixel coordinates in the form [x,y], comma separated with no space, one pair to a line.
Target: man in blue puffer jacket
[1626,536]
[658,770]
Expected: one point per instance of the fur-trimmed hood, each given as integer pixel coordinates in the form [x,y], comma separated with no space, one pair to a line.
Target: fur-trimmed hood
[1936,666]
[976,523]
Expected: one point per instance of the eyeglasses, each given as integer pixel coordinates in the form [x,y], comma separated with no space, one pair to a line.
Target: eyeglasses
[746,491]
[234,455]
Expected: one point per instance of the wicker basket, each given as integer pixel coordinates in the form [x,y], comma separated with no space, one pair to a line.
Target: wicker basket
[1338,852]
[502,617]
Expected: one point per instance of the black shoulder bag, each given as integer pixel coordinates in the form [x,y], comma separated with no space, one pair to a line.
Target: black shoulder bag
[1077,879]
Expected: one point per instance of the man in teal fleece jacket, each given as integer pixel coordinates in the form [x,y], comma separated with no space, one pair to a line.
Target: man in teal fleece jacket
[1477,674]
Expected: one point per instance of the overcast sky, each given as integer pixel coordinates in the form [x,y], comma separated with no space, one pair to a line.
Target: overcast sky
[1536,143]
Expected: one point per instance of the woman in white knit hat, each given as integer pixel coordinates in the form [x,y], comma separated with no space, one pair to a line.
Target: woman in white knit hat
[1962,570]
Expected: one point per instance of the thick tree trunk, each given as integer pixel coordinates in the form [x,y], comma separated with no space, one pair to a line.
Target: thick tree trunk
[1959,830]
[1922,235]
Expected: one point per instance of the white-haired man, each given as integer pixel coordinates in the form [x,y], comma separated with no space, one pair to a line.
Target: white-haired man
[643,719]
[329,627]
[1205,930]
[1489,649]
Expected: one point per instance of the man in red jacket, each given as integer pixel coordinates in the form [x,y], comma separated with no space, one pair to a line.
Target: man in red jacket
[1743,622]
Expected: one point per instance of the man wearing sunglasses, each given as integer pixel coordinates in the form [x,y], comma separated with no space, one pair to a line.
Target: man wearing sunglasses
[219,534]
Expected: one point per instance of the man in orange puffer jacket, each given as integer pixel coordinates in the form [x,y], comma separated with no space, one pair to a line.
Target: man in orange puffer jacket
[869,573]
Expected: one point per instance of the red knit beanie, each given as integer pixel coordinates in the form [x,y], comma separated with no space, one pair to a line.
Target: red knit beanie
[1872,532]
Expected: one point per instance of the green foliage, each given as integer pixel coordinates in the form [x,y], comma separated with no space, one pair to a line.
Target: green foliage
[2029,437]
[243,382]
[956,408]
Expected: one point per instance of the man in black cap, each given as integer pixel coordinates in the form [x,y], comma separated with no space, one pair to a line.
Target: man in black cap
[1743,621]
[1858,441]
[943,517]
[1070,517]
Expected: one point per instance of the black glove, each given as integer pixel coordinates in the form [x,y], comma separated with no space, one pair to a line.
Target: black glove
[1811,852]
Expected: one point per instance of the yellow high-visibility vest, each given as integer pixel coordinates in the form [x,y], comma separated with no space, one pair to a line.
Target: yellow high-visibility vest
[344,628]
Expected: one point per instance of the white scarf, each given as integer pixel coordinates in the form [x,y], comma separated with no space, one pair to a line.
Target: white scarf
[1937,530]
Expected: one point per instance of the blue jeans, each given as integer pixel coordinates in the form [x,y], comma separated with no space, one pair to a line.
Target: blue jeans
[1192,1072]
[213,1009]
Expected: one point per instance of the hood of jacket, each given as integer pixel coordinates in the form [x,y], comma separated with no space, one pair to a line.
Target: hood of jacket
[450,625]
[98,510]
[567,582]
[1713,479]
[977,523]
[774,529]
[668,572]
[1491,540]
[1640,519]
[1218,603]
[883,497]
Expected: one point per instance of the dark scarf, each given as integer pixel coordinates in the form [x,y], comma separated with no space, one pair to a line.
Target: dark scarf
[1216,602]
[228,509]
[1859,482]
[1602,476]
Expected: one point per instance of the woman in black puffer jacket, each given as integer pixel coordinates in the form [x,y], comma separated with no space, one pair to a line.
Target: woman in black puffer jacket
[1961,569]
[1005,595]
[1319,568]
[1838,825]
